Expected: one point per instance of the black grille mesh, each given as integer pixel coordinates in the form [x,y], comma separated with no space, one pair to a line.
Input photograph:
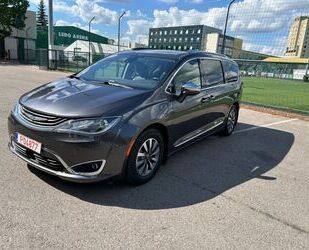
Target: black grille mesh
[38,158]
[40,119]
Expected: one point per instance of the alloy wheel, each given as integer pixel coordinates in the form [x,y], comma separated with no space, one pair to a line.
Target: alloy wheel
[147,157]
[231,120]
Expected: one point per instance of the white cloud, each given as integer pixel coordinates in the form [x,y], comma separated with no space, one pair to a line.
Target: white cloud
[270,50]
[86,9]
[138,27]
[176,17]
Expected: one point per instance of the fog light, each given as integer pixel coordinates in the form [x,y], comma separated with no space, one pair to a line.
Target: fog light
[88,168]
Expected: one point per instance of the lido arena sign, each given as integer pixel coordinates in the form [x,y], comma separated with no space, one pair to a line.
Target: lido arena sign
[74,36]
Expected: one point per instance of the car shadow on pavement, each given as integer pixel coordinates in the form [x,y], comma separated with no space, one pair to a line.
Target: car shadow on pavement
[195,174]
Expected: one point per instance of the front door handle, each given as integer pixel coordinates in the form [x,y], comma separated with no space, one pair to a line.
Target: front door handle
[208,98]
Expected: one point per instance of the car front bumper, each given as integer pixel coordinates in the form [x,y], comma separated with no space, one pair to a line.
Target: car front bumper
[69,150]
[61,174]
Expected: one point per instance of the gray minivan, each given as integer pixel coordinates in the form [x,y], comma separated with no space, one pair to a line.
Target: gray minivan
[122,116]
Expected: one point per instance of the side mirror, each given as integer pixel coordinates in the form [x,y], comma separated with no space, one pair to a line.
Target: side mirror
[190,88]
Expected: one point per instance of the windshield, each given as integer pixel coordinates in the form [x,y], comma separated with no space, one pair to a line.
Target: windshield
[136,71]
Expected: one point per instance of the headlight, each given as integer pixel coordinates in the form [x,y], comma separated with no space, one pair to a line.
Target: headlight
[88,126]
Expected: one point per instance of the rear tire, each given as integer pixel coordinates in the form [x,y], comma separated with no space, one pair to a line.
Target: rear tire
[145,157]
[230,122]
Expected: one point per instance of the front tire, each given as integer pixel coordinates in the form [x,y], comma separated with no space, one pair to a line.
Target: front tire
[231,122]
[145,157]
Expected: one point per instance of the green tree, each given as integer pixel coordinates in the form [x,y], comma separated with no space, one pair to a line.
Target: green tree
[41,18]
[12,15]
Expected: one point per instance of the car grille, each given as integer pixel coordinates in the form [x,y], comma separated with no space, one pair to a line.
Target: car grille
[39,159]
[40,119]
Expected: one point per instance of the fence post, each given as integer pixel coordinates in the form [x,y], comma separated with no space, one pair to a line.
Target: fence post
[56,63]
[306,77]
[47,62]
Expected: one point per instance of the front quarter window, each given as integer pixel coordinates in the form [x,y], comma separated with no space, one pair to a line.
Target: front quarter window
[189,72]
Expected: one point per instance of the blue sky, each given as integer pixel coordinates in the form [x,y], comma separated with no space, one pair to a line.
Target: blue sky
[262,24]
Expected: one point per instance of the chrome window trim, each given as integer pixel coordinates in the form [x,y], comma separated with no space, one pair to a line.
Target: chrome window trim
[189,60]
[175,73]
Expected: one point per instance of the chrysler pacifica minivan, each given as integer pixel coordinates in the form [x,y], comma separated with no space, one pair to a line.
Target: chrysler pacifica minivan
[122,116]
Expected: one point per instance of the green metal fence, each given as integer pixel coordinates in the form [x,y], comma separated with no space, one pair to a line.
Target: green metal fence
[72,61]
[269,69]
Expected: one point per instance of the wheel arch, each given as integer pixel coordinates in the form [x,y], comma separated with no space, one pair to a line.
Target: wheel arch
[162,129]
[164,132]
[237,105]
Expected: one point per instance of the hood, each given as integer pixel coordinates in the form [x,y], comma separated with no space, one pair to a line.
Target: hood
[77,98]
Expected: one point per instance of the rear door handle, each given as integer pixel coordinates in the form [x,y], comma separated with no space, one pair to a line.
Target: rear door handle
[208,98]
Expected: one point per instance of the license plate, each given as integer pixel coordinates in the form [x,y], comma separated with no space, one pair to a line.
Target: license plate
[28,143]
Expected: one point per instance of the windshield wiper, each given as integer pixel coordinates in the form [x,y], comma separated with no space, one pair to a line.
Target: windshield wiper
[117,84]
[75,77]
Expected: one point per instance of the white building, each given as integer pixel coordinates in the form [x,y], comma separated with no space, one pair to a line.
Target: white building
[79,50]
[95,48]
[16,45]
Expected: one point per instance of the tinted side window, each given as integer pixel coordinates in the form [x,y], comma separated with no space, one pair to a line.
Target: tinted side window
[211,72]
[189,72]
[230,71]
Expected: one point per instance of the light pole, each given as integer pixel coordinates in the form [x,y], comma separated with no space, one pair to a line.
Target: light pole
[119,19]
[50,56]
[89,38]
[225,26]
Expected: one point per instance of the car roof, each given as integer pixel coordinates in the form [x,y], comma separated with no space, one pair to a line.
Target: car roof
[174,54]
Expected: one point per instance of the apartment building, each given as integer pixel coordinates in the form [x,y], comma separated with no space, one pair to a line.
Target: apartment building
[298,40]
[193,37]
[232,46]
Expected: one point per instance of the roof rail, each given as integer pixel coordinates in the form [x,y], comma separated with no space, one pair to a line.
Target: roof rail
[208,53]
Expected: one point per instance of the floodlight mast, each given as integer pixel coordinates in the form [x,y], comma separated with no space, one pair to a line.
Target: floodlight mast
[50,34]
[225,26]
[50,24]
[119,19]
[89,39]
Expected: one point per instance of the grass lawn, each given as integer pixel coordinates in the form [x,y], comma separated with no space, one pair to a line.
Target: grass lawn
[289,94]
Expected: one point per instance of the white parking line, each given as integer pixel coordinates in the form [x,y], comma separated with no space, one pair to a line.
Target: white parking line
[263,126]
